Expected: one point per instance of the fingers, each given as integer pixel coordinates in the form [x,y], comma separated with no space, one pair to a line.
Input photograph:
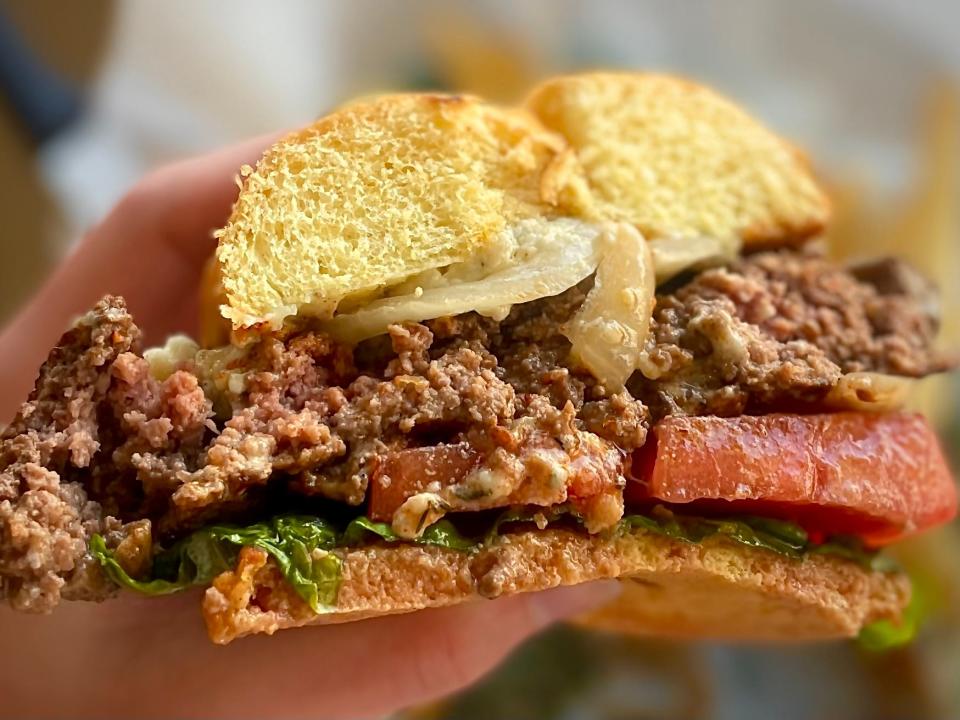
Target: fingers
[183,202]
[153,658]
[150,249]
[465,642]
[375,667]
[152,246]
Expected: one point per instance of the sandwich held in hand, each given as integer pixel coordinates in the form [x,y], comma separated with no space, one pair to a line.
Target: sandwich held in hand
[453,351]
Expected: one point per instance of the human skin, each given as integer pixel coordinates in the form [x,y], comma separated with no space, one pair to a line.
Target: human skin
[149,657]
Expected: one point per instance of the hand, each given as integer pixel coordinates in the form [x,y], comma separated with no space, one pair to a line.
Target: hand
[150,249]
[149,657]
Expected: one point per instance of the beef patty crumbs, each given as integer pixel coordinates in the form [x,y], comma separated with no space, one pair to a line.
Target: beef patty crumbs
[113,444]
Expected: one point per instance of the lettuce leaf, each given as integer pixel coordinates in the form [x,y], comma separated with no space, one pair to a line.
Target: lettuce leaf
[779,536]
[442,533]
[883,635]
[527,515]
[114,571]
[852,548]
[301,547]
[298,544]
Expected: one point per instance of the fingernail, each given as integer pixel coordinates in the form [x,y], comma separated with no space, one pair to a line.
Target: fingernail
[563,602]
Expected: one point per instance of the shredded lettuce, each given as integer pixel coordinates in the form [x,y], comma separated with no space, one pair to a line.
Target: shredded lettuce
[299,545]
[443,532]
[778,536]
[528,515]
[157,586]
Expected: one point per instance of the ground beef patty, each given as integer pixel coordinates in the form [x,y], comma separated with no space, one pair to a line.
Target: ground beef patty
[105,446]
[46,516]
[778,329]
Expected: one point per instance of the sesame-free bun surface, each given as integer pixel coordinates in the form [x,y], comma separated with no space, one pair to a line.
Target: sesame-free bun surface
[379,190]
[676,159]
[390,186]
[671,588]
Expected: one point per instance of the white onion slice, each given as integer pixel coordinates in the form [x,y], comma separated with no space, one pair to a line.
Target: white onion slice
[609,331]
[869,392]
[552,256]
[673,255]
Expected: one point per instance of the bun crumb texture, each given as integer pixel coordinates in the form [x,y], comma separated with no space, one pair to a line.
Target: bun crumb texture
[395,185]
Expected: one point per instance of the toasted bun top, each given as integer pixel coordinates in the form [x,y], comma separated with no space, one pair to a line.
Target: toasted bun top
[380,190]
[395,187]
[676,159]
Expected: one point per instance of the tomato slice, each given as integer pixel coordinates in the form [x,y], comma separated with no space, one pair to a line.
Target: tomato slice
[402,474]
[878,476]
[541,472]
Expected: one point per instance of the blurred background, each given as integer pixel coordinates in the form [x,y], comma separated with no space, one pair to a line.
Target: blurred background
[93,94]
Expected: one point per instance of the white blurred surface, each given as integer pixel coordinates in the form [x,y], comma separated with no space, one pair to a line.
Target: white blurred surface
[843,78]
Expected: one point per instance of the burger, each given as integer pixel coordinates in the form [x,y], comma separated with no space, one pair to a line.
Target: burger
[452,351]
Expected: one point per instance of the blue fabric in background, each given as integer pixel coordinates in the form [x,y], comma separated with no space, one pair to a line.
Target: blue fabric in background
[42,101]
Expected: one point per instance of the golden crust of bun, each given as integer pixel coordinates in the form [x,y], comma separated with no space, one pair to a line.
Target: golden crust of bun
[390,186]
[676,159]
[382,189]
[708,590]
[213,330]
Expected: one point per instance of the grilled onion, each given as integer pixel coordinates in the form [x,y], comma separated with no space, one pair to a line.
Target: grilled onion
[869,392]
[673,255]
[550,256]
[609,331]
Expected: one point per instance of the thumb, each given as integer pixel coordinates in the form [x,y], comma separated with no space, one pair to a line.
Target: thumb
[561,603]
[436,652]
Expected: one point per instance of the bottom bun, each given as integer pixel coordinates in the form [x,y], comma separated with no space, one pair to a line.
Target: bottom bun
[714,589]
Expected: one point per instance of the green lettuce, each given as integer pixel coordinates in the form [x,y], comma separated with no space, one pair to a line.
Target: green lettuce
[527,515]
[299,545]
[442,533]
[302,547]
[852,548]
[778,536]
[884,635]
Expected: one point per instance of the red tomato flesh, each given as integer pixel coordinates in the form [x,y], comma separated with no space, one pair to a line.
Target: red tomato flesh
[878,476]
[400,475]
[592,471]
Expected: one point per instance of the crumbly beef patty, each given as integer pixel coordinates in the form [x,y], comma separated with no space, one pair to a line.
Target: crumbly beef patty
[104,446]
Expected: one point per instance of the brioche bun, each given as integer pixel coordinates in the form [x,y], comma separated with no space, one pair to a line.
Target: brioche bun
[390,186]
[380,190]
[678,160]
